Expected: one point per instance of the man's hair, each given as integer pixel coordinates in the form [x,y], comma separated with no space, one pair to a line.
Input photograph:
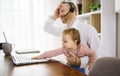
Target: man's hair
[72,7]
[74,33]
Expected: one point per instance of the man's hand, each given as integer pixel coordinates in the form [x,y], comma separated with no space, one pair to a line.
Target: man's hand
[56,12]
[87,66]
[73,59]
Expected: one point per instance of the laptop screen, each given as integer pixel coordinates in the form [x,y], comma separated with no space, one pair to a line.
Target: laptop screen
[4,36]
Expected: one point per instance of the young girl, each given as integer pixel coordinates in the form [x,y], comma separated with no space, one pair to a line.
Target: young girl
[71,47]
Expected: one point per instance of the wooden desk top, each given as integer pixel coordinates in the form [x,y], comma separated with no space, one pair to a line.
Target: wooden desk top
[51,68]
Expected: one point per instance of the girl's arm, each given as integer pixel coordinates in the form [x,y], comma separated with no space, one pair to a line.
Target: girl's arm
[50,53]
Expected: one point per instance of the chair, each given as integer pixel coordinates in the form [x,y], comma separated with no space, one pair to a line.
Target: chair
[106,66]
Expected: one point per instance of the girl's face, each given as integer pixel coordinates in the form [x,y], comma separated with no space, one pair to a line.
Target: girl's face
[68,42]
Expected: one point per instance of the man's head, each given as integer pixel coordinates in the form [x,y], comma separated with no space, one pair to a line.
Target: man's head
[67,11]
[71,5]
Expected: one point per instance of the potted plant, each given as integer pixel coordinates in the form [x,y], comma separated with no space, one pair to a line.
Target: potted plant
[95,6]
[98,6]
[92,7]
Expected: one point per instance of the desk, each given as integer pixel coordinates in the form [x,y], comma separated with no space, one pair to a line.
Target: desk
[51,68]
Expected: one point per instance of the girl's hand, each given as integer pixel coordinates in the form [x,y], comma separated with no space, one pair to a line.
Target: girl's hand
[37,57]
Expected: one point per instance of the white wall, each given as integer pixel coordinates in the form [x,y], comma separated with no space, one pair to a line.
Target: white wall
[108,28]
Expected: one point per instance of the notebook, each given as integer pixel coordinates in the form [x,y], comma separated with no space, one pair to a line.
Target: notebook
[23,58]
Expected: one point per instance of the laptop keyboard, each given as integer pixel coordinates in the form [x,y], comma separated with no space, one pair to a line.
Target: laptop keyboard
[22,58]
[19,59]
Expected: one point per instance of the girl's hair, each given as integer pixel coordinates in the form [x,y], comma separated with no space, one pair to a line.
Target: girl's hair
[74,33]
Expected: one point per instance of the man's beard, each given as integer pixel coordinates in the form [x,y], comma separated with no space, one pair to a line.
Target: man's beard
[64,20]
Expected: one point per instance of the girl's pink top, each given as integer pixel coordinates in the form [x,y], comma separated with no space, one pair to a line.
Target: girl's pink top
[83,50]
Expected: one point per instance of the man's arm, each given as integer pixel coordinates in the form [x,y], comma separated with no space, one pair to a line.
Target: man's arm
[49,24]
[93,39]
[95,43]
[51,29]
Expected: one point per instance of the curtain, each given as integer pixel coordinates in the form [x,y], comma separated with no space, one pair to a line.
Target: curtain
[23,20]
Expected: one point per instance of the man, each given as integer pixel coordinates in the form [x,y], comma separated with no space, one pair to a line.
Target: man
[67,12]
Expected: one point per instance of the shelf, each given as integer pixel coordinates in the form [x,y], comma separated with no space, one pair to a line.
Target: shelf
[99,35]
[87,15]
[102,20]
[93,18]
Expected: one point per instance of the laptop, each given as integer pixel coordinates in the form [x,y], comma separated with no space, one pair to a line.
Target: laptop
[25,57]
